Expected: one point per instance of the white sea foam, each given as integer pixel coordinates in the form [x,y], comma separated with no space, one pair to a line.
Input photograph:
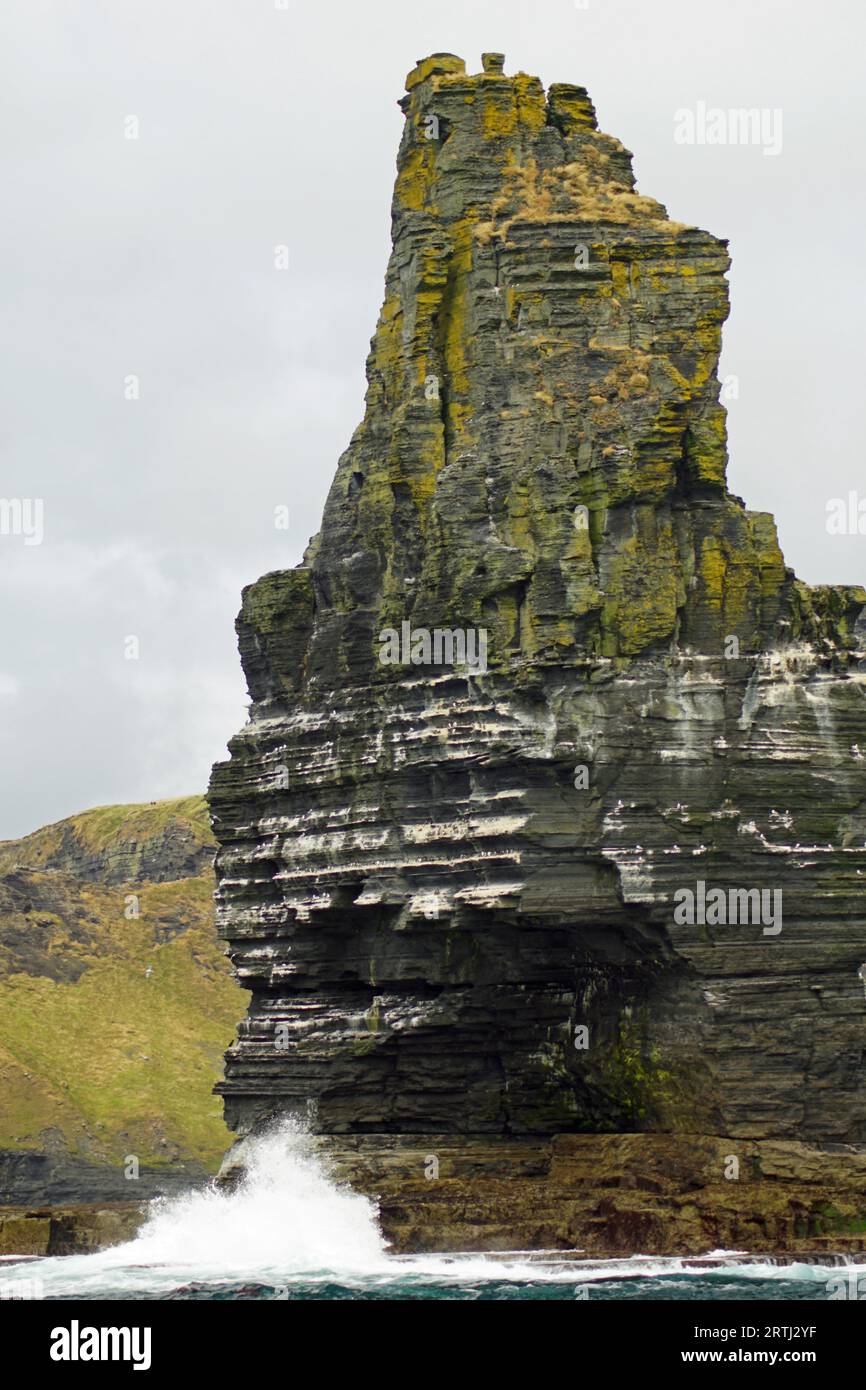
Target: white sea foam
[287,1217]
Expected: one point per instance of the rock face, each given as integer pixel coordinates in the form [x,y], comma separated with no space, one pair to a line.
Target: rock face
[613,1194]
[454,870]
[157,842]
[74,1230]
[115,1006]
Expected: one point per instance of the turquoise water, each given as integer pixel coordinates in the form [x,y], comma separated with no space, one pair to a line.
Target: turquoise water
[448,1277]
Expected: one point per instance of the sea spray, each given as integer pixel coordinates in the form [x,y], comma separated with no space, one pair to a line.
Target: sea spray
[287,1215]
[286,1219]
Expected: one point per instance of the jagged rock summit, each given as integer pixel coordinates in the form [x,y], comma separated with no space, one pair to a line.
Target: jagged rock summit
[540,677]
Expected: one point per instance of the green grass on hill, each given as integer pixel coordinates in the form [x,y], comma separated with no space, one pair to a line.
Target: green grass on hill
[97,1056]
[104,826]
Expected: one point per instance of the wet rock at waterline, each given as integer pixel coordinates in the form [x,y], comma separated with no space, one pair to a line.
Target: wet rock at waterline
[550,814]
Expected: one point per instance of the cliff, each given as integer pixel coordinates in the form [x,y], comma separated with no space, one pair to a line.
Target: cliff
[115,1005]
[540,697]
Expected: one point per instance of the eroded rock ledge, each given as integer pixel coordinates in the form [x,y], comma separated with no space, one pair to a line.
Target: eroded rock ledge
[613,1194]
[431,879]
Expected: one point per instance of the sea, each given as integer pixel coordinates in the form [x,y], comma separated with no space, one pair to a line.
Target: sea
[290,1232]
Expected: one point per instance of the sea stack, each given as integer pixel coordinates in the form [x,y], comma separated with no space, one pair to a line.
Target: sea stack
[458,890]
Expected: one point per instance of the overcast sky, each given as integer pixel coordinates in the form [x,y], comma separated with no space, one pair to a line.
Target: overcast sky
[153,258]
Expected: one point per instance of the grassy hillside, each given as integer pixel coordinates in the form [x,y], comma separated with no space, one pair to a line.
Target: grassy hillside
[118,844]
[116,1002]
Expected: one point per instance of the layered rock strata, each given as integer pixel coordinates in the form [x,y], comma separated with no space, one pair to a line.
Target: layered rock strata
[458,890]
